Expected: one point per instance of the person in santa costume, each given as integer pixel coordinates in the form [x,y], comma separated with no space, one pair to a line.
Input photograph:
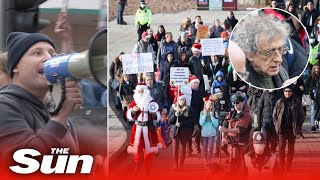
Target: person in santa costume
[144,141]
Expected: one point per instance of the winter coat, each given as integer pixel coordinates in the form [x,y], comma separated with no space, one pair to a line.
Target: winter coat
[217,84]
[162,51]
[265,106]
[159,95]
[186,125]
[165,67]
[297,113]
[26,123]
[209,124]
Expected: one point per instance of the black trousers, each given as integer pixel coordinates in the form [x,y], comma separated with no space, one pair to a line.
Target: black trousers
[283,139]
[141,29]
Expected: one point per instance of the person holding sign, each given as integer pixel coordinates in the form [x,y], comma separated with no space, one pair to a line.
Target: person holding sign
[181,117]
[197,64]
[143,139]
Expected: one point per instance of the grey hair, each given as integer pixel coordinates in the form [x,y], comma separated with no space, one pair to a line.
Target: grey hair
[250,30]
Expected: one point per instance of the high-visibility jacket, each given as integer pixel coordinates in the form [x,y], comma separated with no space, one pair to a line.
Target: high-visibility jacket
[313,54]
[143,16]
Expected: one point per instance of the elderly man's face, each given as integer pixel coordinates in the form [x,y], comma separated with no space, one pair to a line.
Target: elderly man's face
[29,71]
[267,60]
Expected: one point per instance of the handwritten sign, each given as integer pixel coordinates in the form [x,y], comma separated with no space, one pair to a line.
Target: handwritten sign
[137,63]
[202,32]
[212,46]
[179,75]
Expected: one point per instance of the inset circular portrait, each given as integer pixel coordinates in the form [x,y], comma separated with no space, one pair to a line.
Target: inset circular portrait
[268,48]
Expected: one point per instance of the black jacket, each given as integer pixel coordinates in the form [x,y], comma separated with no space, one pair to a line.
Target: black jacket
[265,106]
[26,123]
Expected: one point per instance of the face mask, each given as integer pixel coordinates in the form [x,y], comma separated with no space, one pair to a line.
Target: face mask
[142,6]
[215,63]
[259,148]
[312,41]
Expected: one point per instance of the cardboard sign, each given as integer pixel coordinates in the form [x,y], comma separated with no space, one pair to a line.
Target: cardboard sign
[212,46]
[137,63]
[206,82]
[179,75]
[202,32]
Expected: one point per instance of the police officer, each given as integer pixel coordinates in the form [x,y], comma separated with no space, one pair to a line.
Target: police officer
[143,18]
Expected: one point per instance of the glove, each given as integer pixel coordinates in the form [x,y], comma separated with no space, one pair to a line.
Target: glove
[176,113]
[178,124]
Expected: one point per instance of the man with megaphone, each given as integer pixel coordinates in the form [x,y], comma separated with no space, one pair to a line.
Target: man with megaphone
[25,122]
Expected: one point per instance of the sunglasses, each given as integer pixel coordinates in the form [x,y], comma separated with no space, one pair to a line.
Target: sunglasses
[237,102]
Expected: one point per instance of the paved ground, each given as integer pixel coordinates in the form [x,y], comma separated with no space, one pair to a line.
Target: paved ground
[124,37]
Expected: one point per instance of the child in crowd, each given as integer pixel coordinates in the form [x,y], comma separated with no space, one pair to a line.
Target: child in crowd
[209,124]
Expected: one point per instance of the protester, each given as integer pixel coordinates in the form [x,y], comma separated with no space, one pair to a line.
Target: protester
[25,123]
[181,118]
[144,141]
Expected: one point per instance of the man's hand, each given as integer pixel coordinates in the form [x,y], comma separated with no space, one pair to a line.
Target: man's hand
[178,124]
[135,108]
[176,113]
[73,98]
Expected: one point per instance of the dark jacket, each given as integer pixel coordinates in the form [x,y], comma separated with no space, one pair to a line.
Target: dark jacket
[165,67]
[217,31]
[159,95]
[126,91]
[233,21]
[186,125]
[278,80]
[26,123]
[265,106]
[297,113]
[211,70]
[196,67]
[162,51]
[306,19]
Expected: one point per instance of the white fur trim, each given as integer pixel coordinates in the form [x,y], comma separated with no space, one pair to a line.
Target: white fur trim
[134,149]
[194,80]
[129,116]
[195,49]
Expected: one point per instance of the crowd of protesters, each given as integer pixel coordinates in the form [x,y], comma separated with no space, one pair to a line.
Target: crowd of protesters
[228,101]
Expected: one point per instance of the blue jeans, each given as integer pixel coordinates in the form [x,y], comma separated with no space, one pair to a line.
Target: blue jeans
[313,113]
[92,94]
[207,148]
[121,7]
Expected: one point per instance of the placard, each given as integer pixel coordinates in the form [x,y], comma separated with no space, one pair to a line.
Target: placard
[137,63]
[202,32]
[212,46]
[179,75]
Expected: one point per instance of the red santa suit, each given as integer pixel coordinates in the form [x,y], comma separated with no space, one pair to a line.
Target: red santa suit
[143,134]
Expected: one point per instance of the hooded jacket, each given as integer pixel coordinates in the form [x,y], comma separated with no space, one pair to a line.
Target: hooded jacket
[217,84]
[26,123]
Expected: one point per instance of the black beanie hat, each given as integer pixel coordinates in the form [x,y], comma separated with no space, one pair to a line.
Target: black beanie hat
[18,43]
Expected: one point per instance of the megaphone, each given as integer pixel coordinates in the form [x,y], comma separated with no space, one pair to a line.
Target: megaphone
[90,64]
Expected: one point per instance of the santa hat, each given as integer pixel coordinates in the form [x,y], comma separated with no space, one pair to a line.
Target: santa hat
[141,86]
[193,79]
[181,95]
[208,98]
[196,47]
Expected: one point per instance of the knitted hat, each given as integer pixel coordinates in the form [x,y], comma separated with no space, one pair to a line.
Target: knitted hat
[196,47]
[224,34]
[169,52]
[193,79]
[18,43]
[258,138]
[289,87]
